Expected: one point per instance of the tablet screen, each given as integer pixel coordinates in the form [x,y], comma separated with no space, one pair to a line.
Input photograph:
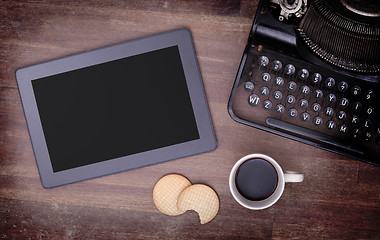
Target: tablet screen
[115,109]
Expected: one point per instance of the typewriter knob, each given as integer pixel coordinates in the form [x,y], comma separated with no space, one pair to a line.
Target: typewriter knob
[290,8]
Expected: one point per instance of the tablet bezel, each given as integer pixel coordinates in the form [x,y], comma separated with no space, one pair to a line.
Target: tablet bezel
[181,38]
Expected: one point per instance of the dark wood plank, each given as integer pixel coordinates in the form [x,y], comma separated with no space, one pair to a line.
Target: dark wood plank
[339,198]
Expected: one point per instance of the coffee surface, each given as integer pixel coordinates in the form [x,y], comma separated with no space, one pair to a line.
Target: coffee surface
[256,179]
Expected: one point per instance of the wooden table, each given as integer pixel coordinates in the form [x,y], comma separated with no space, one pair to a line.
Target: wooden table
[339,198]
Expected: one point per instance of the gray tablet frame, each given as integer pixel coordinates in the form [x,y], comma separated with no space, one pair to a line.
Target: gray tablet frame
[181,38]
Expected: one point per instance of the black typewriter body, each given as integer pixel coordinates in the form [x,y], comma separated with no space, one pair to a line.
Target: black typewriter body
[311,73]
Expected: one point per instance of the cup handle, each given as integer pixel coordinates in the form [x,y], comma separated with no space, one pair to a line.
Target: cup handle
[291,176]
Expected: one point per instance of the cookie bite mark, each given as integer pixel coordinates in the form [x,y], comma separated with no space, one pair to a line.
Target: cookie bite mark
[200,198]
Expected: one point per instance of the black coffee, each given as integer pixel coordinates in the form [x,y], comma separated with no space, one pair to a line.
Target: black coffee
[256,179]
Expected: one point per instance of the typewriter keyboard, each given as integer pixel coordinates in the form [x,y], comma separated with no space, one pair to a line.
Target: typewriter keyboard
[293,98]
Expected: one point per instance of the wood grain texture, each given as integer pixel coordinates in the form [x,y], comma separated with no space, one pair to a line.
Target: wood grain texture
[339,198]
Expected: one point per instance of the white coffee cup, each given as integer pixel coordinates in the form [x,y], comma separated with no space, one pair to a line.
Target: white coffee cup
[282,177]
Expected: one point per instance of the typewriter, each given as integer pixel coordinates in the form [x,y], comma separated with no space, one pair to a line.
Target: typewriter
[311,72]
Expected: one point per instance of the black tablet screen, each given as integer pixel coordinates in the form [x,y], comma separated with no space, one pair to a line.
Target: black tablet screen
[115,109]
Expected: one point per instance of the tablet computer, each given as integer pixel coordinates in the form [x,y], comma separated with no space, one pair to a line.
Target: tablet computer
[116,108]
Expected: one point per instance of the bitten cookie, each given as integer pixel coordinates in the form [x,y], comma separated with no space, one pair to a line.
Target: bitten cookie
[166,193]
[200,198]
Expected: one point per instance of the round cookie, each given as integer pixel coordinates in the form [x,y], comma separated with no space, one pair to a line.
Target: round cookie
[166,193]
[202,199]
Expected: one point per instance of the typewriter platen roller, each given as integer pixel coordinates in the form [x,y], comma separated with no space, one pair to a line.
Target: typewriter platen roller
[311,72]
